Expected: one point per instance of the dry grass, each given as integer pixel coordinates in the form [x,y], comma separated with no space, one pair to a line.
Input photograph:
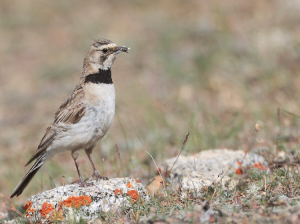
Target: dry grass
[209,67]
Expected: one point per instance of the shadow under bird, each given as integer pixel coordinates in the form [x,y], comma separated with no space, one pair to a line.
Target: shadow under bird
[85,117]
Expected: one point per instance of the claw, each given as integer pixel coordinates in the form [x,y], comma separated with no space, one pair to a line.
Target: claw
[82,183]
[96,176]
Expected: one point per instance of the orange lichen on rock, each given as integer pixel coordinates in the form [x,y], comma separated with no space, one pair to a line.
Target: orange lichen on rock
[46,209]
[163,173]
[239,171]
[129,185]
[158,172]
[117,191]
[133,194]
[259,166]
[138,181]
[28,208]
[77,201]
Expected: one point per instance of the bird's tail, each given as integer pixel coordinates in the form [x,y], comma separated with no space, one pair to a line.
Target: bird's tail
[29,175]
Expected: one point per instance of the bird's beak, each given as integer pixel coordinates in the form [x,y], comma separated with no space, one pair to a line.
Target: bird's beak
[122,49]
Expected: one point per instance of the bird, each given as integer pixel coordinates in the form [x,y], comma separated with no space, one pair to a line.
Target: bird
[86,115]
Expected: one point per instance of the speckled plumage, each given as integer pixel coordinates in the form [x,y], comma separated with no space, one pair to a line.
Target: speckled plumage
[85,117]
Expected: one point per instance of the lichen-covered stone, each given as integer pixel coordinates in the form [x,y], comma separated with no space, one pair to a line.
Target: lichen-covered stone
[196,172]
[214,160]
[74,202]
[197,183]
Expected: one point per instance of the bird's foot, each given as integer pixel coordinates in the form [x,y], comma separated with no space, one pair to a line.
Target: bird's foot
[82,183]
[96,176]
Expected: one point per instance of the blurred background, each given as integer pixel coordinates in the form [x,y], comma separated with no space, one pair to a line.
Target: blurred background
[214,68]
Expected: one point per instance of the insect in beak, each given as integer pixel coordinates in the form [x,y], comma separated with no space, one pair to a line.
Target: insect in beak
[122,49]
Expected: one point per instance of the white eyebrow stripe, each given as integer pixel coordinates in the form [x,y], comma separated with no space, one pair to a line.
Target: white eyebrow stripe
[107,46]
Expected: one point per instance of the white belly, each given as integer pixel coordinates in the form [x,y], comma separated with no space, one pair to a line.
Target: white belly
[102,111]
[95,123]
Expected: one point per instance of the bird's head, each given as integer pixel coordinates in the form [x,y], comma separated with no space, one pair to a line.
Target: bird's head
[102,54]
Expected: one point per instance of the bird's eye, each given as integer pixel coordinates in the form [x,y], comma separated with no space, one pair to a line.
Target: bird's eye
[104,50]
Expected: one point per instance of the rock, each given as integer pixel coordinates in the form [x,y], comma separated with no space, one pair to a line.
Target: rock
[197,172]
[3,215]
[215,160]
[208,216]
[11,221]
[196,184]
[72,202]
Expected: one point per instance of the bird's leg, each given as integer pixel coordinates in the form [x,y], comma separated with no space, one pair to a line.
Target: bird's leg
[81,182]
[95,173]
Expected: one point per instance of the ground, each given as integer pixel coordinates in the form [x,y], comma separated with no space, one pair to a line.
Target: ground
[214,69]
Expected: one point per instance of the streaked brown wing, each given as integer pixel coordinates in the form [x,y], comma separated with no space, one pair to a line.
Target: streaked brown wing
[70,112]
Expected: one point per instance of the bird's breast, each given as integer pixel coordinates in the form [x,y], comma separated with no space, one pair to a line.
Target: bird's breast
[101,109]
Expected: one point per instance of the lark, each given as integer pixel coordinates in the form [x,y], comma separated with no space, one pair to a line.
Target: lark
[85,117]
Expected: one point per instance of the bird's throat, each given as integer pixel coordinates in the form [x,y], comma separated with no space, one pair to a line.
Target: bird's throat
[102,76]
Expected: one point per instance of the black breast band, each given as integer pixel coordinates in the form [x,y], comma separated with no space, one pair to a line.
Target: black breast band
[103,76]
